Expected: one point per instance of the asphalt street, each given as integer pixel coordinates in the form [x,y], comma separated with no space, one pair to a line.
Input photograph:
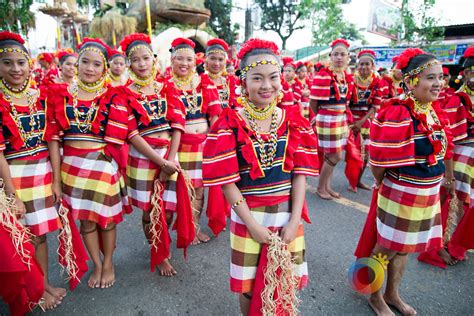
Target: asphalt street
[201,286]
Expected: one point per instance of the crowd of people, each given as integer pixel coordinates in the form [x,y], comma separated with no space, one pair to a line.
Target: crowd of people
[93,134]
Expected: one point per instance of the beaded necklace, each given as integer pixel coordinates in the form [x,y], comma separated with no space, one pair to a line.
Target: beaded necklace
[92,87]
[156,110]
[18,93]
[224,93]
[32,114]
[419,107]
[467,90]
[257,113]
[192,101]
[266,155]
[85,125]
[114,77]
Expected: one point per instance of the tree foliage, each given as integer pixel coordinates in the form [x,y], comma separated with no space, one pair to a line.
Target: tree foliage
[16,16]
[284,16]
[219,21]
[329,24]
[417,24]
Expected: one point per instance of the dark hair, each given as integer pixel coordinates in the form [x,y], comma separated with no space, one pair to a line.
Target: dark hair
[417,61]
[467,63]
[133,44]
[96,45]
[10,43]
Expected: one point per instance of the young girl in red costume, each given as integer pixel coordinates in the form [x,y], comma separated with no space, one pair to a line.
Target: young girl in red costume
[365,104]
[92,127]
[29,166]
[409,173]
[261,156]
[331,90]
[289,76]
[118,64]
[304,82]
[459,109]
[50,71]
[215,64]
[203,106]
[157,123]
[67,61]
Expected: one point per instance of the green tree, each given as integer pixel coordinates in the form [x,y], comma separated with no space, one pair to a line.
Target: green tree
[284,16]
[219,21]
[16,16]
[329,24]
[417,24]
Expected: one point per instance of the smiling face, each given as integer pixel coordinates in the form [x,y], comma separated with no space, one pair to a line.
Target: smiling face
[68,67]
[430,83]
[215,63]
[91,66]
[183,62]
[141,62]
[263,83]
[289,73]
[14,69]
[365,66]
[302,73]
[340,57]
[117,65]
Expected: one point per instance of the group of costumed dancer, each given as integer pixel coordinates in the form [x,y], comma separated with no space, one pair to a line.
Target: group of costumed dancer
[83,141]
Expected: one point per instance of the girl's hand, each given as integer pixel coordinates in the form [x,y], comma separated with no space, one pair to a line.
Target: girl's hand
[289,232]
[20,207]
[57,191]
[260,234]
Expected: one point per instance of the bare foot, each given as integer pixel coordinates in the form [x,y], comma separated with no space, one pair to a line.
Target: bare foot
[379,306]
[200,237]
[334,194]
[352,189]
[324,195]
[400,305]
[94,279]
[57,292]
[363,186]
[108,276]
[48,302]
[444,254]
[166,269]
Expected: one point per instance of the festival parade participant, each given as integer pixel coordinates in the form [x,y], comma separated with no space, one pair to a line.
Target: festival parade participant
[49,70]
[201,100]
[158,121]
[304,81]
[93,127]
[215,64]
[331,90]
[368,89]
[408,173]
[118,64]
[261,156]
[392,81]
[289,76]
[67,61]
[29,165]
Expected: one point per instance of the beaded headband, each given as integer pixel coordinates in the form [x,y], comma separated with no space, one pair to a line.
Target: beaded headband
[182,49]
[216,51]
[419,69]
[137,46]
[96,50]
[16,50]
[243,71]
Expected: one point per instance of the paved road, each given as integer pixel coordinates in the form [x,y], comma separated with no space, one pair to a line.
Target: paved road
[201,288]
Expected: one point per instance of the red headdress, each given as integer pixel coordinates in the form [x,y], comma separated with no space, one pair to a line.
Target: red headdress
[255,43]
[87,41]
[395,59]
[366,52]
[299,65]
[182,41]
[129,39]
[406,56]
[218,41]
[288,61]
[199,58]
[340,41]
[5,35]
[64,53]
[115,53]
[308,64]
[47,57]
[445,71]
[469,52]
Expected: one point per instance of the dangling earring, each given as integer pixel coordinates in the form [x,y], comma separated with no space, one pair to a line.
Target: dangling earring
[414,81]
[280,96]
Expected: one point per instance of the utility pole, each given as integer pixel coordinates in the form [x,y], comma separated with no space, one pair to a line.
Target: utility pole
[248,23]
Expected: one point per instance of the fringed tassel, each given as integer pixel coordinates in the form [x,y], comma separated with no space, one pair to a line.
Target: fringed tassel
[453,219]
[67,257]
[281,284]
[156,228]
[19,234]
[192,197]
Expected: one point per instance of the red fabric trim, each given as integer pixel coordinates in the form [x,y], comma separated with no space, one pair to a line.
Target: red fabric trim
[184,224]
[368,237]
[217,210]
[354,162]
[74,151]
[193,139]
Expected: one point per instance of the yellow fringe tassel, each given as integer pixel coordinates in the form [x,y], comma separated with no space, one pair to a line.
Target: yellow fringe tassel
[155,226]
[453,219]
[65,237]
[285,283]
[192,197]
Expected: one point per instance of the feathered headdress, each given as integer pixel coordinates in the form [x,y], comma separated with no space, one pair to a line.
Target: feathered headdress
[469,52]
[47,57]
[340,41]
[129,39]
[5,35]
[182,41]
[218,42]
[64,53]
[366,52]
[406,56]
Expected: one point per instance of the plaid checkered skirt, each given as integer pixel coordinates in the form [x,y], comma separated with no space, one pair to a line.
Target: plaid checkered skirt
[93,187]
[32,180]
[141,174]
[464,172]
[190,156]
[245,252]
[332,131]
[408,217]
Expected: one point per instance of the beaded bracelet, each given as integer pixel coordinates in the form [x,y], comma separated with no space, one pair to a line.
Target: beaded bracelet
[237,203]
[448,182]
[164,164]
